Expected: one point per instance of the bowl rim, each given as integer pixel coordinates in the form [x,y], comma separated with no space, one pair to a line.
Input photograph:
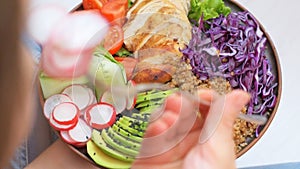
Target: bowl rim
[248,146]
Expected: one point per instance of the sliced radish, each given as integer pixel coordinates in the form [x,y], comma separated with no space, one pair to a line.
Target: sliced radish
[53,101]
[66,113]
[66,138]
[101,115]
[68,51]
[61,127]
[118,102]
[81,133]
[80,30]
[93,99]
[79,95]
[131,99]
[36,25]
[65,64]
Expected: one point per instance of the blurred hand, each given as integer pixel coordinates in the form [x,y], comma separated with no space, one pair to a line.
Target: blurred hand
[179,138]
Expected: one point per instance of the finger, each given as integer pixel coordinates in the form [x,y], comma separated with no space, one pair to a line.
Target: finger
[170,128]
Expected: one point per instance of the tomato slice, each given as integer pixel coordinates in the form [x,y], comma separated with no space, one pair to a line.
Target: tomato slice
[93,4]
[115,11]
[129,64]
[114,39]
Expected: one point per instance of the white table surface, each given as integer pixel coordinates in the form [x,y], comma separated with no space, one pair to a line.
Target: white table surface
[281,142]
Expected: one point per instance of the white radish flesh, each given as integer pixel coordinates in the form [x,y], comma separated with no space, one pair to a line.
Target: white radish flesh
[131,99]
[66,113]
[81,133]
[67,64]
[42,19]
[66,138]
[80,30]
[61,127]
[79,95]
[53,101]
[118,102]
[101,115]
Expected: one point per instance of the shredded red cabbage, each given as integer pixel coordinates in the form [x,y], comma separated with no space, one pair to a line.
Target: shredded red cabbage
[239,56]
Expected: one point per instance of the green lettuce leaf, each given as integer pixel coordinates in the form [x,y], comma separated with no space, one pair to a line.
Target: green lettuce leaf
[208,8]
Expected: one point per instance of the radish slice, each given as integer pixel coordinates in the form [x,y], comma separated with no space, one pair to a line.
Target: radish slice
[67,64]
[81,133]
[66,113]
[61,127]
[36,25]
[101,115]
[66,138]
[68,51]
[53,101]
[93,99]
[79,95]
[131,100]
[80,30]
[118,102]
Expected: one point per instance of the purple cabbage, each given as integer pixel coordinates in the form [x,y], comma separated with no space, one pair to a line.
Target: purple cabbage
[240,57]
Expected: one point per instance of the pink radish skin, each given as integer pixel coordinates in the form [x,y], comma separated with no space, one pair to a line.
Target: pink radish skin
[61,127]
[68,51]
[66,64]
[101,115]
[79,94]
[80,30]
[81,133]
[66,113]
[53,101]
[131,101]
[119,103]
[36,25]
[66,138]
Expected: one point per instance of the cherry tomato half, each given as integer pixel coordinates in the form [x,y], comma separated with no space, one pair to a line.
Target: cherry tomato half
[115,11]
[93,4]
[114,39]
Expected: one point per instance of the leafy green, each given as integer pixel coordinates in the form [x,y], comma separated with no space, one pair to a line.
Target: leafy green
[123,53]
[208,8]
[105,71]
[130,3]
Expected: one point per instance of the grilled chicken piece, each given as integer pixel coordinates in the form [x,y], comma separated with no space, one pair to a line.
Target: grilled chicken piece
[155,30]
[157,24]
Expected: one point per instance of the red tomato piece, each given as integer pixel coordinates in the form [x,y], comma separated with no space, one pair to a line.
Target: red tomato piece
[114,12]
[114,39]
[129,64]
[93,4]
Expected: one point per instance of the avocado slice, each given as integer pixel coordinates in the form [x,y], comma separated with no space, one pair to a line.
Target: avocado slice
[126,134]
[126,126]
[134,123]
[97,138]
[51,86]
[154,95]
[118,145]
[103,159]
[125,141]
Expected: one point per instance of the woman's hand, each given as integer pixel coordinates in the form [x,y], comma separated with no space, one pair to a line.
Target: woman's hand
[172,138]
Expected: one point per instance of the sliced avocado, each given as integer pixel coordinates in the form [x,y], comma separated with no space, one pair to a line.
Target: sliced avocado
[125,141]
[51,86]
[149,103]
[103,159]
[126,126]
[97,138]
[134,123]
[115,144]
[126,134]
[143,117]
[155,95]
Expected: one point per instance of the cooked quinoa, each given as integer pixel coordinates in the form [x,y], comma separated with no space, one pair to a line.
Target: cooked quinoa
[185,80]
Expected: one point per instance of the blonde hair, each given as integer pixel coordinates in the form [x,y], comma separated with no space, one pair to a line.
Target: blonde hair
[15,81]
